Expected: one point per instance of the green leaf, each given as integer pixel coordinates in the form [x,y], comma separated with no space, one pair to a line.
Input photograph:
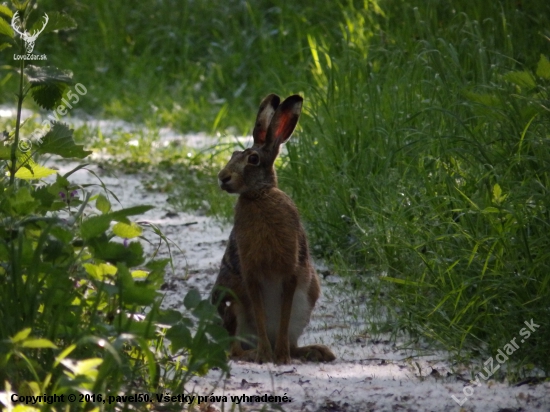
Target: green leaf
[498,197]
[6,11]
[522,79]
[48,84]
[139,274]
[48,96]
[95,226]
[5,28]
[20,5]
[485,99]
[5,152]
[127,231]
[38,344]
[497,191]
[180,337]
[57,21]
[114,252]
[45,197]
[64,235]
[23,203]
[192,299]
[218,332]
[100,271]
[36,172]
[122,214]
[66,352]
[136,328]
[21,335]
[156,274]
[62,181]
[134,293]
[83,367]
[93,270]
[204,310]
[4,46]
[157,265]
[102,204]
[59,141]
[543,68]
[169,317]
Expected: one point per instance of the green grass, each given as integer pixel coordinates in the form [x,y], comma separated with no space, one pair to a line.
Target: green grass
[420,163]
[427,164]
[193,65]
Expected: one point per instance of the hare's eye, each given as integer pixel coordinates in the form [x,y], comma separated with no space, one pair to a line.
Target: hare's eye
[254,159]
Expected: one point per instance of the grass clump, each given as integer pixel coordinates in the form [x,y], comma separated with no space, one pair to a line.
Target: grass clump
[428,165]
[197,66]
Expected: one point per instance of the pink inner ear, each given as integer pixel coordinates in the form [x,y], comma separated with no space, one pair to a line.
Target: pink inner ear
[261,136]
[280,132]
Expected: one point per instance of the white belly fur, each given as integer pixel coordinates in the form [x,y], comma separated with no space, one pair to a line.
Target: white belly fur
[300,314]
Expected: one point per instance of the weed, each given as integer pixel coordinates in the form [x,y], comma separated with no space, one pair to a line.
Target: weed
[79,302]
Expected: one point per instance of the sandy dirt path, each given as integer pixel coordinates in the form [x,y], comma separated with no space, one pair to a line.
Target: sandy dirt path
[370,373]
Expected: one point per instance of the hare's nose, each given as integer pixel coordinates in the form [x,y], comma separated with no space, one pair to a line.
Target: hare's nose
[224,179]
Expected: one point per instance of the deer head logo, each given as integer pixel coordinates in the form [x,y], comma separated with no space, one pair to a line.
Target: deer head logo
[29,38]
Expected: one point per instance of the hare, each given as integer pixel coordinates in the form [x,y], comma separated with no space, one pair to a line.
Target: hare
[267,286]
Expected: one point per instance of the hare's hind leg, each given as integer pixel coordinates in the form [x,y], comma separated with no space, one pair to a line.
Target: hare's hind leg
[313,353]
[224,296]
[227,309]
[234,320]
[229,296]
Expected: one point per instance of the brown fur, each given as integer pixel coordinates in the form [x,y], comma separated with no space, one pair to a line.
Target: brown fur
[267,286]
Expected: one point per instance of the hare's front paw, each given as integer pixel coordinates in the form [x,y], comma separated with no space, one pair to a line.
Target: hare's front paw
[283,359]
[282,354]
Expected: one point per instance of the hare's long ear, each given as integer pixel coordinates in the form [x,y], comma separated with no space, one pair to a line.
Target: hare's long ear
[283,123]
[267,109]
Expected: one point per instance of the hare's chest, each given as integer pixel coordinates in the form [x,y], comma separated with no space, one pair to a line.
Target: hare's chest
[267,249]
[271,223]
